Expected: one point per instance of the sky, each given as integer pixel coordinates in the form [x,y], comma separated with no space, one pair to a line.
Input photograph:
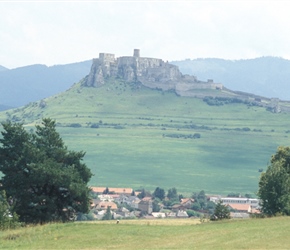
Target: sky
[62,32]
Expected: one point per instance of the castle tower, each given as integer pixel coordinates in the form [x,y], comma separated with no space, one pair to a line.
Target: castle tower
[136,53]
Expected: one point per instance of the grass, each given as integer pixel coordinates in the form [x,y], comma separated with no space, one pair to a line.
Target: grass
[129,149]
[272,233]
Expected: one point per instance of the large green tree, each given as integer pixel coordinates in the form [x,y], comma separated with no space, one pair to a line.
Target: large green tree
[159,193]
[46,181]
[221,212]
[274,184]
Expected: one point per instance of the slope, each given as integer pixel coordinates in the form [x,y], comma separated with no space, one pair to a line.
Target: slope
[270,233]
[139,137]
[32,83]
[265,76]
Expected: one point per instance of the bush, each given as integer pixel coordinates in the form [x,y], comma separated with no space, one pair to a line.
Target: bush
[8,220]
[75,125]
[221,212]
[94,125]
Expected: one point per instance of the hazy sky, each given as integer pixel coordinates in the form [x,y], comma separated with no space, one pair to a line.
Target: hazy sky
[60,32]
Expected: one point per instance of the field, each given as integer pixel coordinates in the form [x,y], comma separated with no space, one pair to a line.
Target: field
[142,138]
[270,233]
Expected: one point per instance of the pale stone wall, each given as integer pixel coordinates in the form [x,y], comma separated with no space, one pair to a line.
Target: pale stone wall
[151,72]
[106,57]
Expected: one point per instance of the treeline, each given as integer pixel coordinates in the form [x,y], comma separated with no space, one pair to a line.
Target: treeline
[183,136]
[42,181]
[219,101]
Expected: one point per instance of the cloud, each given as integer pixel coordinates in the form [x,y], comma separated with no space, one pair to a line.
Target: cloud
[63,32]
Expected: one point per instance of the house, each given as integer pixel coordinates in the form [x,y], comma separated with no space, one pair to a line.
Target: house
[158,215]
[240,208]
[171,215]
[181,214]
[123,213]
[95,202]
[236,200]
[106,197]
[255,211]
[187,202]
[101,190]
[99,214]
[145,205]
[131,201]
[177,207]
[103,205]
[184,204]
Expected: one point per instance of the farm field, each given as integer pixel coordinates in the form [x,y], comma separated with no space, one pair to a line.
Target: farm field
[142,138]
[271,233]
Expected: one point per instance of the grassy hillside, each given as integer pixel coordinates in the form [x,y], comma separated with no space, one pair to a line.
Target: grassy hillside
[137,137]
[153,234]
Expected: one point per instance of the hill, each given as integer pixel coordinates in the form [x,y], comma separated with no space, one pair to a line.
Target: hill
[32,83]
[141,125]
[140,137]
[265,76]
[269,233]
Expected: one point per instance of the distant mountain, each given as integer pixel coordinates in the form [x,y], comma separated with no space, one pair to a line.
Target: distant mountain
[265,76]
[31,83]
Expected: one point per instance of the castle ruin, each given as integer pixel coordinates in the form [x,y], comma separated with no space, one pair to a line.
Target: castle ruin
[151,72]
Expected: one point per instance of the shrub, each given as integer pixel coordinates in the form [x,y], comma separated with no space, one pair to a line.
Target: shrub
[221,212]
[8,220]
[75,125]
[94,125]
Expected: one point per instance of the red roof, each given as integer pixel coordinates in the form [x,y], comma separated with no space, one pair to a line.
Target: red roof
[114,190]
[241,207]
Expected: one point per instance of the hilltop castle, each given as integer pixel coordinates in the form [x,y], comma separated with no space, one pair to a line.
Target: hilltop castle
[151,72]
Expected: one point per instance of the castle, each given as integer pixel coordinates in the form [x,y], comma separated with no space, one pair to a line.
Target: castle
[151,72]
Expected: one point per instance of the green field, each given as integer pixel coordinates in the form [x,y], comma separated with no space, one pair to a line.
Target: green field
[142,139]
[272,233]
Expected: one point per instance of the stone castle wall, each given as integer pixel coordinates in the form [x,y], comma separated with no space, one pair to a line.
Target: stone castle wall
[107,58]
[151,72]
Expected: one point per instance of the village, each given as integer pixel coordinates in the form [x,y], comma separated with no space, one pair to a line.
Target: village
[125,203]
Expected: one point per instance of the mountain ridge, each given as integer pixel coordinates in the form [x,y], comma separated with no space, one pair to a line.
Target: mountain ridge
[34,82]
[255,76]
[264,76]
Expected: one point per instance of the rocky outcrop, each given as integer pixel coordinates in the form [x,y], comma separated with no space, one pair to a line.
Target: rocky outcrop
[151,72]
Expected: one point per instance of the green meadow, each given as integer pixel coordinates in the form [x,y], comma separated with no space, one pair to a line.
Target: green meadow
[271,233]
[143,138]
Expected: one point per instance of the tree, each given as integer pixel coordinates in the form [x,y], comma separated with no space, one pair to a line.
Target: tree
[159,193]
[274,184]
[142,194]
[8,220]
[155,205]
[46,181]
[172,194]
[108,215]
[106,191]
[221,212]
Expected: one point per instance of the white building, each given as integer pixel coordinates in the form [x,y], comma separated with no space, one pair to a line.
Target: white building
[254,203]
